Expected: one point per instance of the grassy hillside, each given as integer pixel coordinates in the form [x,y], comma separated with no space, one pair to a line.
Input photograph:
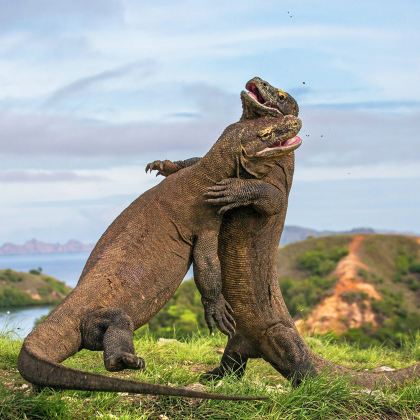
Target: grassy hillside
[28,289]
[362,288]
[377,301]
[376,287]
[180,364]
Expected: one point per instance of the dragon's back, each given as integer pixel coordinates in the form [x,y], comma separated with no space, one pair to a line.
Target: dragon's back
[140,260]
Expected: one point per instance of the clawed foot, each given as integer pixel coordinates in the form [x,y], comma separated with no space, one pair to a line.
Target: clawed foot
[124,361]
[163,167]
[212,375]
[229,193]
[219,313]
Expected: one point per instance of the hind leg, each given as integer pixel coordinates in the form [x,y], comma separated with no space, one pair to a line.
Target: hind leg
[237,352]
[111,330]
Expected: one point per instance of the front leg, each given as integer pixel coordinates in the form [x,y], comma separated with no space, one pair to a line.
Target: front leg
[230,193]
[207,276]
[167,167]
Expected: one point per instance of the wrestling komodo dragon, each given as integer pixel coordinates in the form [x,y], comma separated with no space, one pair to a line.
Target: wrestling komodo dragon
[248,243]
[140,261]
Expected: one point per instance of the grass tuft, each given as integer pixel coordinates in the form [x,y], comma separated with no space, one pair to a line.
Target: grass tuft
[179,363]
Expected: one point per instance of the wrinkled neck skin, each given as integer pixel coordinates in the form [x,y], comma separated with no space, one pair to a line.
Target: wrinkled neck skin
[287,163]
[216,172]
[226,152]
[257,167]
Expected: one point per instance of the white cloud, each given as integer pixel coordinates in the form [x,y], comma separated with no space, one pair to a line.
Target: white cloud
[37,176]
[194,57]
[88,184]
[82,85]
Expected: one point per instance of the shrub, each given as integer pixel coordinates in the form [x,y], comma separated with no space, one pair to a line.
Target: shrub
[407,271]
[320,262]
[354,297]
[56,285]
[183,314]
[10,297]
[415,267]
[402,263]
[10,276]
[301,295]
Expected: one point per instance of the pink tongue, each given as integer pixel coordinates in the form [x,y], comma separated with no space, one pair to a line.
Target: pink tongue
[253,95]
[292,141]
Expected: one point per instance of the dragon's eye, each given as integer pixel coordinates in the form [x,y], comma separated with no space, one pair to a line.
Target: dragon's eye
[282,95]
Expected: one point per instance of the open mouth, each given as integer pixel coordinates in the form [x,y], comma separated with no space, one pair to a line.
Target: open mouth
[283,146]
[254,93]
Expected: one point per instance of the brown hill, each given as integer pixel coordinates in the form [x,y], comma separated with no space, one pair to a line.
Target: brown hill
[353,284]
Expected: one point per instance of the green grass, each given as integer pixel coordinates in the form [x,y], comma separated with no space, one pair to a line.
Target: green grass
[180,363]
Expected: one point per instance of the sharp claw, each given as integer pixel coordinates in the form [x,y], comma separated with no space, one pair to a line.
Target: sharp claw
[231,320]
[223,210]
[229,308]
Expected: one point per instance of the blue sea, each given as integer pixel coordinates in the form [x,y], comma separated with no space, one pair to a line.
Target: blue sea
[64,267]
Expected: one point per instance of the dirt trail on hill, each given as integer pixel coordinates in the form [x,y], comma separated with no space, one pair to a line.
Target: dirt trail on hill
[344,309]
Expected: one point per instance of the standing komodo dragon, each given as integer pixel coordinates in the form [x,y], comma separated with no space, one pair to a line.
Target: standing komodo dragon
[140,261]
[248,244]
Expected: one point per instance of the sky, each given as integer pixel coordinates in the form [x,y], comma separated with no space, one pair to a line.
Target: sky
[92,91]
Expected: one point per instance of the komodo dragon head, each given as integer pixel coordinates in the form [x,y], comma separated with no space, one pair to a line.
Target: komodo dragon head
[266,132]
[261,99]
[266,140]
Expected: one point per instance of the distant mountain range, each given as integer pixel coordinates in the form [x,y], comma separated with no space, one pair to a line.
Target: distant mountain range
[297,233]
[290,234]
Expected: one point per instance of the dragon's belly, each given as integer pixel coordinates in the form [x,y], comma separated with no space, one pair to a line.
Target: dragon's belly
[247,247]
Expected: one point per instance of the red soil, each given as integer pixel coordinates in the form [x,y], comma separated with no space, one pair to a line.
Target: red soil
[336,314]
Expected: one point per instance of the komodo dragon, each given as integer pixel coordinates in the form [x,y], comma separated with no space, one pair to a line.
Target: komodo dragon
[140,261]
[248,243]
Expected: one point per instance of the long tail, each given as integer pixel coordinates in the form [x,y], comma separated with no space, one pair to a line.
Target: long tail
[368,379]
[42,372]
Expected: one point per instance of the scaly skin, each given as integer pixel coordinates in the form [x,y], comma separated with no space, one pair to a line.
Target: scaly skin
[248,243]
[139,262]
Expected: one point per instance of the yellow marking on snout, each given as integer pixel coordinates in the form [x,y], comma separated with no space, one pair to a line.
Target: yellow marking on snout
[267,132]
[281,92]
